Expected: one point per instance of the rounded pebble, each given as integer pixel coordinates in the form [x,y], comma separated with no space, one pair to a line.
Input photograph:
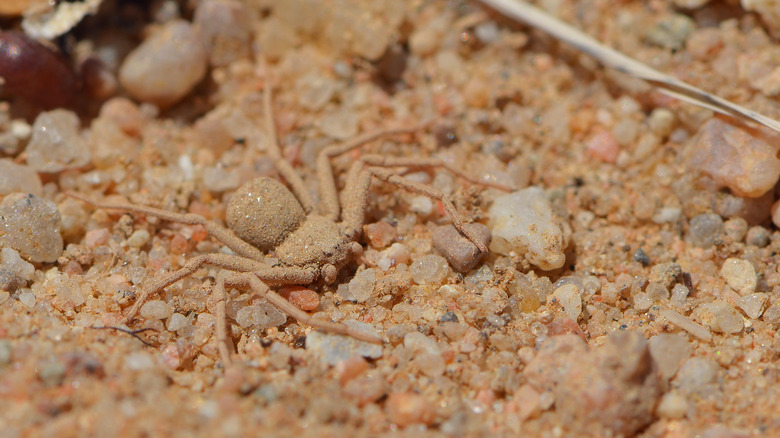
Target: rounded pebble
[31,225]
[165,67]
[18,178]
[156,309]
[758,236]
[740,275]
[429,269]
[361,287]
[672,406]
[406,408]
[56,143]
[705,229]
[462,254]
[569,298]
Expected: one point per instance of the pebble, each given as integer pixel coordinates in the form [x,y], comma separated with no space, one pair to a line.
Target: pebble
[165,67]
[225,29]
[669,351]
[156,309]
[671,32]
[641,257]
[333,348]
[56,143]
[667,215]
[379,234]
[523,223]
[695,374]
[176,322]
[407,408]
[672,406]
[302,298]
[733,158]
[704,230]
[27,298]
[429,269]
[768,11]
[6,352]
[626,395]
[460,252]
[18,178]
[666,274]
[138,239]
[757,236]
[31,225]
[569,298]
[753,304]
[736,228]
[262,315]
[740,275]
[14,272]
[662,122]
[719,316]
[686,324]
[361,287]
[603,145]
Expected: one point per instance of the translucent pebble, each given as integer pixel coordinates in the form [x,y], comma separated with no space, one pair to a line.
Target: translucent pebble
[669,351]
[262,315]
[315,90]
[218,179]
[225,30]
[421,205]
[361,287]
[166,66]
[429,269]
[569,298]
[138,239]
[719,316]
[340,125]
[156,309]
[176,322]
[740,275]
[734,158]
[27,298]
[18,178]
[667,215]
[704,229]
[487,32]
[753,304]
[642,302]
[695,374]
[333,348]
[57,143]
[31,225]
[418,342]
[523,223]
[13,263]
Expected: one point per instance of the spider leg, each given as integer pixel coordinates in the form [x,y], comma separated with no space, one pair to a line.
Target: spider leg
[225,261]
[224,235]
[274,151]
[329,199]
[357,189]
[254,281]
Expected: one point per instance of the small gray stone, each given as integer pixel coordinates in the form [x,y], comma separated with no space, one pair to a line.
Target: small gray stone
[361,287]
[31,225]
[462,254]
[641,257]
[758,236]
[705,229]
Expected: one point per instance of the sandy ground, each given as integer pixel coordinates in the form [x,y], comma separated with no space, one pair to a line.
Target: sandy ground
[661,321]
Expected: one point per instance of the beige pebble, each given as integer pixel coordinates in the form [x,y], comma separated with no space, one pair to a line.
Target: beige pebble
[406,408]
[740,275]
[165,67]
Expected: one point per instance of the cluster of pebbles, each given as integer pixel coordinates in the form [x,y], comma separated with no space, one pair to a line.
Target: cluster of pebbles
[633,281]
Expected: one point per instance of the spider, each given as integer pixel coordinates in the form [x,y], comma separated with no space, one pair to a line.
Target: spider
[310,244]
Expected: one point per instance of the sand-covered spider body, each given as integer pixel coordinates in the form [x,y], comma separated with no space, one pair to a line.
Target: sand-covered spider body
[310,243]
